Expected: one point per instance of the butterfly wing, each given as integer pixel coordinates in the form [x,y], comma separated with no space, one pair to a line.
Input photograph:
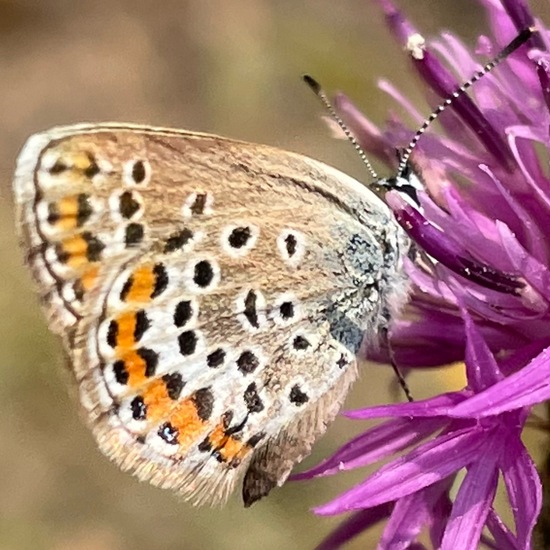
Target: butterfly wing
[223,290]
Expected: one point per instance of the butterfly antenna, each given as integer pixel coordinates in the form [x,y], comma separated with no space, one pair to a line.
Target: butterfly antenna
[320,93]
[518,41]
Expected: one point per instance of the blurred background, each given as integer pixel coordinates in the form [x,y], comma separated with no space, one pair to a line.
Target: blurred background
[231,68]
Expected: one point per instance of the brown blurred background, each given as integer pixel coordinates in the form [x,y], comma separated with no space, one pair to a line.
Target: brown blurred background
[231,68]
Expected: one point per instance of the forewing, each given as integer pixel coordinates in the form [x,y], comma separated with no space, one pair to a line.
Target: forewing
[212,317]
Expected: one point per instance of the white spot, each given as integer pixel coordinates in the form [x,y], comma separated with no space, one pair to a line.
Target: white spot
[201,275]
[259,310]
[190,201]
[68,293]
[116,207]
[416,44]
[49,159]
[136,168]
[52,261]
[286,309]
[292,246]
[238,239]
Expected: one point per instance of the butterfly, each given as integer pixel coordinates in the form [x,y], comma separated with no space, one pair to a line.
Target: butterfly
[211,295]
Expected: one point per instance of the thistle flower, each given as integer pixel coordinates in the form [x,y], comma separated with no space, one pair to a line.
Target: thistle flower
[486,300]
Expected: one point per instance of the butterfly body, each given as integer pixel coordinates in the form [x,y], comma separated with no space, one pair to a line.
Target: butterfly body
[211,295]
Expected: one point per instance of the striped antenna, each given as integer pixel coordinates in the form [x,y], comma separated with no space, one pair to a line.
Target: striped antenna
[320,93]
[518,41]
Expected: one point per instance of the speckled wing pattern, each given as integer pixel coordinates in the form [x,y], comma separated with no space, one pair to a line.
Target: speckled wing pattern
[211,295]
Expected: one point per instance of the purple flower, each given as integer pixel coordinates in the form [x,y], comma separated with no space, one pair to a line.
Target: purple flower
[482,296]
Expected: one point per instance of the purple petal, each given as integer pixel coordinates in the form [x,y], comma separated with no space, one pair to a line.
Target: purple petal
[519,13]
[444,84]
[358,522]
[433,406]
[440,514]
[543,72]
[398,24]
[527,387]
[538,183]
[375,444]
[504,539]
[424,466]
[522,355]
[443,248]
[524,488]
[481,368]
[535,273]
[472,504]
[409,516]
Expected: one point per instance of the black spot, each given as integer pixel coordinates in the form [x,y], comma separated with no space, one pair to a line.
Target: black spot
[183,313]
[133,234]
[297,396]
[138,171]
[121,374]
[85,209]
[290,243]
[58,167]
[139,409]
[255,439]
[151,359]
[300,343]
[198,205]
[204,273]
[142,324]
[168,433]
[188,342]
[178,240]
[161,280]
[126,288]
[53,213]
[287,310]
[252,399]
[140,439]
[227,417]
[112,334]
[239,237]
[78,290]
[216,358]
[342,362]
[174,384]
[94,247]
[250,309]
[61,254]
[205,446]
[204,401]
[92,169]
[247,362]
[127,205]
